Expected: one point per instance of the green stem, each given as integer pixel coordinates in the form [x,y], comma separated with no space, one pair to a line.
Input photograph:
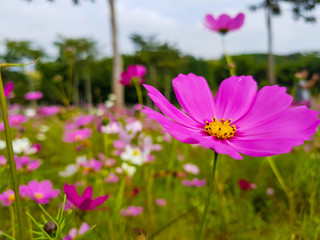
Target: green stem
[211,186]
[232,69]
[139,92]
[12,221]
[12,163]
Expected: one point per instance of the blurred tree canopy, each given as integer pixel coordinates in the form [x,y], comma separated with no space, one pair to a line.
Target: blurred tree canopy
[164,62]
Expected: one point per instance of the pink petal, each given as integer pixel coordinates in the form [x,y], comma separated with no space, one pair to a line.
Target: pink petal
[237,22]
[71,192]
[224,21]
[98,201]
[178,131]
[210,22]
[195,96]
[87,193]
[234,97]
[168,109]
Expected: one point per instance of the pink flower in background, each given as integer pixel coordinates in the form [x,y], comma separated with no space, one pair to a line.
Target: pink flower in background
[3,160]
[7,197]
[41,192]
[76,135]
[224,23]
[111,178]
[270,191]
[245,185]
[91,165]
[85,201]
[8,88]
[133,73]
[131,211]
[191,168]
[83,120]
[161,202]
[194,182]
[33,95]
[239,119]
[14,121]
[25,162]
[74,233]
[110,162]
[49,110]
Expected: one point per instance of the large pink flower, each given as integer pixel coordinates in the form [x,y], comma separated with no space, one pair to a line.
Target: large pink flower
[33,95]
[85,201]
[224,23]
[239,119]
[134,73]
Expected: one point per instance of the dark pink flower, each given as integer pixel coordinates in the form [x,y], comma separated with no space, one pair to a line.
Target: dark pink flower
[33,95]
[3,160]
[239,119]
[7,197]
[85,201]
[245,185]
[41,192]
[77,135]
[8,89]
[134,73]
[15,121]
[224,23]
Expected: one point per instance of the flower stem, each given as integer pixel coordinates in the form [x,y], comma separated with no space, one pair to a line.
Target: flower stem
[230,63]
[211,186]
[139,92]
[12,163]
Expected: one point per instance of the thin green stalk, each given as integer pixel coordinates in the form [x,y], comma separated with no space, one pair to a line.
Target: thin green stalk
[232,68]
[211,186]
[12,163]
[12,221]
[285,189]
[139,92]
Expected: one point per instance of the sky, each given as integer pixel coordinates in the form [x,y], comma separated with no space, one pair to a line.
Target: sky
[178,22]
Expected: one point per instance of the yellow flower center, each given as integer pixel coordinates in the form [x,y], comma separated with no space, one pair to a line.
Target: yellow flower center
[78,138]
[220,129]
[136,152]
[11,198]
[38,195]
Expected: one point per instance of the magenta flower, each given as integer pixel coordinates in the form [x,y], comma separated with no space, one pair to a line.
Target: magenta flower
[83,120]
[49,110]
[245,185]
[26,163]
[111,178]
[15,121]
[131,211]
[8,89]
[33,95]
[224,23]
[134,73]
[161,202]
[7,197]
[76,135]
[41,192]
[191,168]
[3,160]
[85,201]
[91,165]
[239,119]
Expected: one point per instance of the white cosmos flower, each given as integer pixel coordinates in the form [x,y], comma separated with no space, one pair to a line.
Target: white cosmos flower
[111,128]
[2,144]
[130,170]
[43,128]
[41,137]
[21,145]
[69,171]
[30,112]
[133,155]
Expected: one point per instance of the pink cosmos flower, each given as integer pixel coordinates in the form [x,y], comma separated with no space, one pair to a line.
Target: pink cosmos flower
[26,163]
[83,120]
[239,119]
[111,178]
[245,185]
[14,121]
[224,23]
[191,168]
[41,192]
[85,201]
[194,182]
[133,73]
[49,110]
[131,211]
[33,95]
[91,165]
[77,135]
[74,233]
[161,202]
[3,160]
[8,88]
[7,197]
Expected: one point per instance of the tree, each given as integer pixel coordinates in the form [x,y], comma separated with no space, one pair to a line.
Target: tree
[300,9]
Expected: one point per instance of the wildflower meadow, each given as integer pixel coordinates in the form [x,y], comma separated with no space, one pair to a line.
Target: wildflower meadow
[160,144]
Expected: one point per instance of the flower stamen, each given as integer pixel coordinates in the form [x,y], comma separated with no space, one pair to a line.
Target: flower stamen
[220,129]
